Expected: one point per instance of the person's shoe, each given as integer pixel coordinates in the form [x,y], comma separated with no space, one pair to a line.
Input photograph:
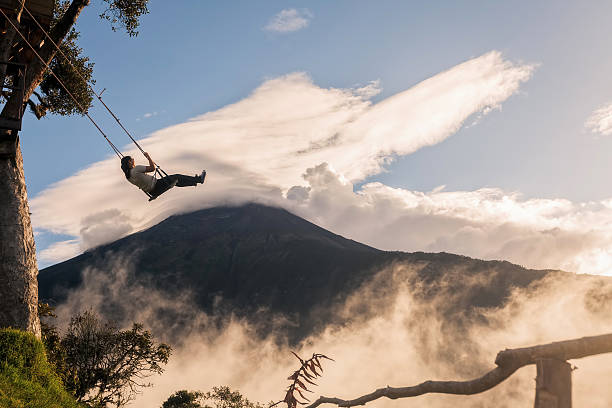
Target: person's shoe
[202,176]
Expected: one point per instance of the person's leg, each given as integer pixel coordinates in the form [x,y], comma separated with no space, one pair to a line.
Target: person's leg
[186,181]
[164,184]
[180,180]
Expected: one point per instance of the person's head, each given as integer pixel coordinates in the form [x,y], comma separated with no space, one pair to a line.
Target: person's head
[127,163]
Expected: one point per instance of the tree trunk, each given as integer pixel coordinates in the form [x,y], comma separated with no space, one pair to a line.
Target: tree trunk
[553,384]
[18,269]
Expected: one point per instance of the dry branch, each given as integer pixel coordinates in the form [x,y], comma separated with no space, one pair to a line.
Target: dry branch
[307,373]
[508,361]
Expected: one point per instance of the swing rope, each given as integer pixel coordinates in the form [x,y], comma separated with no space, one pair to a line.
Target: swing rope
[85,81]
[115,149]
[158,170]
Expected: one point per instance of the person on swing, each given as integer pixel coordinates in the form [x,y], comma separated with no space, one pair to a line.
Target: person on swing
[138,176]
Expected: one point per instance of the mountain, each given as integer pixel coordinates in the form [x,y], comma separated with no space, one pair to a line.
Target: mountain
[257,258]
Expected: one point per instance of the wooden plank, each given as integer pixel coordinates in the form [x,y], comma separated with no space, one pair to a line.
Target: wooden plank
[8,144]
[8,4]
[8,149]
[553,384]
[39,8]
[14,124]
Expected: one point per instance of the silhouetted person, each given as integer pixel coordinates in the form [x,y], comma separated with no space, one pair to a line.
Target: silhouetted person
[137,175]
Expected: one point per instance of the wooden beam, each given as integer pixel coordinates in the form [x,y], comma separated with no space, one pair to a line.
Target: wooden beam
[508,361]
[8,144]
[13,124]
[553,384]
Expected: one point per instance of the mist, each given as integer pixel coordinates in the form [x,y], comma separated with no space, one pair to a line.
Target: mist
[396,329]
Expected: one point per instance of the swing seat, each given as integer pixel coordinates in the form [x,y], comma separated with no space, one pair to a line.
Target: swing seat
[166,187]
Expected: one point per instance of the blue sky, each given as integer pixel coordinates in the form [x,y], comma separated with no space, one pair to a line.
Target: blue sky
[193,57]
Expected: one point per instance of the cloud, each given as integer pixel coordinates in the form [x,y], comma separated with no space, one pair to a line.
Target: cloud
[600,121]
[372,89]
[258,148]
[289,20]
[395,330]
[149,115]
[104,226]
[487,223]
[59,251]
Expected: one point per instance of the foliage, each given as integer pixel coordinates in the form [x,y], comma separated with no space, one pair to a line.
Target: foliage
[125,12]
[98,362]
[26,379]
[223,397]
[51,339]
[52,97]
[219,397]
[184,399]
[306,373]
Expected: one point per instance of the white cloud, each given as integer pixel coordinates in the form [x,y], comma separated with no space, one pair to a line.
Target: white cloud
[370,90]
[258,148]
[149,115]
[600,121]
[289,20]
[487,223]
[59,251]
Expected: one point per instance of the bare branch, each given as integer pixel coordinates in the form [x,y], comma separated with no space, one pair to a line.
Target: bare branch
[560,350]
[302,374]
[508,361]
[39,96]
[38,110]
[478,385]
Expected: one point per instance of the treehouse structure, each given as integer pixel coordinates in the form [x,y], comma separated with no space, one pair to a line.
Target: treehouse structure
[15,56]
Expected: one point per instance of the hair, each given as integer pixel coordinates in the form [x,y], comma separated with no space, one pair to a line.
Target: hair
[125,160]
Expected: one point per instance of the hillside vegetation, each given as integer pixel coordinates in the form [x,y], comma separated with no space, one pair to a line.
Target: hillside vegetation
[26,377]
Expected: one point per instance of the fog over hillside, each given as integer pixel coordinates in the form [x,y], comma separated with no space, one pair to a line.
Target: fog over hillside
[396,329]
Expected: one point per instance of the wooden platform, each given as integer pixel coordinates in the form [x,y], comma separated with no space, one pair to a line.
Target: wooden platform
[42,10]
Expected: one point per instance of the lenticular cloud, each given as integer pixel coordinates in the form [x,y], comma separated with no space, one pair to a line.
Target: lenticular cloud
[294,144]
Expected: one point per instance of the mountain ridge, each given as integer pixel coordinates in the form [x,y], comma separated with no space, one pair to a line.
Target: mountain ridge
[256,257]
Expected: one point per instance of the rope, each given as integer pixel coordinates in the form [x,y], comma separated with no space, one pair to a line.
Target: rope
[158,170]
[99,96]
[115,149]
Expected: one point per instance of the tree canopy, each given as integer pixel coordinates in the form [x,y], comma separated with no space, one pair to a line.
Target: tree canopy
[78,68]
[219,397]
[101,364]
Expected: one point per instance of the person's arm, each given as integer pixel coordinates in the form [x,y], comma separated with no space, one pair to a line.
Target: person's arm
[151,166]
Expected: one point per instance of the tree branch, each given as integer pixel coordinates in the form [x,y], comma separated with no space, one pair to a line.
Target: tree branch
[508,361]
[560,350]
[38,110]
[39,96]
[37,68]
